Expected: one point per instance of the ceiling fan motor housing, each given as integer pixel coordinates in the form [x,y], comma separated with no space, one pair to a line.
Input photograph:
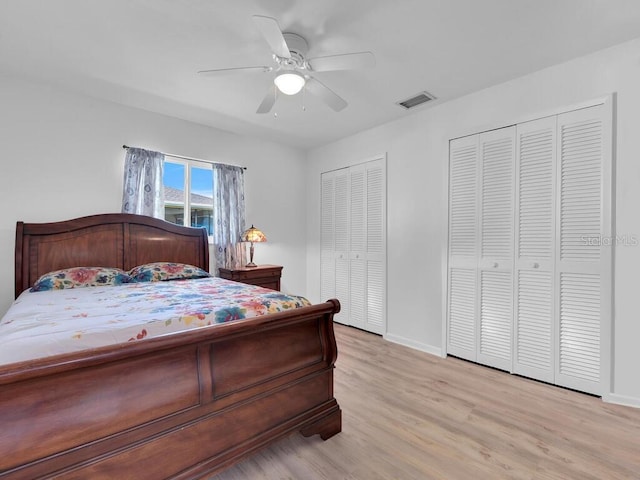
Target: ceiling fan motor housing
[298,47]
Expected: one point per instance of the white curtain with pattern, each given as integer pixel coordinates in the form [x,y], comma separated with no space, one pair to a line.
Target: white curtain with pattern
[143,191]
[228,216]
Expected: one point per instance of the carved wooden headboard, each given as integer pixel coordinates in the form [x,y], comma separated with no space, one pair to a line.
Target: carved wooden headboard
[119,240]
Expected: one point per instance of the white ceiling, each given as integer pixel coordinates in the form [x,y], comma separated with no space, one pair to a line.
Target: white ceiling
[145,53]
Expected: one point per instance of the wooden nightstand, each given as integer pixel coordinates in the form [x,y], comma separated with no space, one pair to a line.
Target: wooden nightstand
[267,276]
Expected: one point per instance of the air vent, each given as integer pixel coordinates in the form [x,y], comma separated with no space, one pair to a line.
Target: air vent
[416,100]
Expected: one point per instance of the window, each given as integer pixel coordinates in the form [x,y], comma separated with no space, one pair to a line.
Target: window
[188,193]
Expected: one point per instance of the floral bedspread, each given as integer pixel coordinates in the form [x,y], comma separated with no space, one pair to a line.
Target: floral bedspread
[40,324]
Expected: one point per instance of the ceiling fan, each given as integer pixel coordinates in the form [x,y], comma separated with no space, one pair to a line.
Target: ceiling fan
[294,70]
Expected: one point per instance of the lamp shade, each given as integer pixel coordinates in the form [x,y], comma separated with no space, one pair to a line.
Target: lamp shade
[289,83]
[253,235]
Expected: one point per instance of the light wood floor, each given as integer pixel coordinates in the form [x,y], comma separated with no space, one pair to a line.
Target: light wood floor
[410,415]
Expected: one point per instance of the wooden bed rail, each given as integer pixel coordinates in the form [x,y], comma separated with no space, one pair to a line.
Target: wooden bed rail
[177,406]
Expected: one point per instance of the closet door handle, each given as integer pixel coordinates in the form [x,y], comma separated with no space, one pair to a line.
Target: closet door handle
[536,265]
[495,264]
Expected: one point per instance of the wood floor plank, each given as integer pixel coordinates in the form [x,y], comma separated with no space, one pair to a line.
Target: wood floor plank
[411,415]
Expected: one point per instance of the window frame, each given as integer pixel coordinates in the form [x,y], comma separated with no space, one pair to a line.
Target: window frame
[186,188]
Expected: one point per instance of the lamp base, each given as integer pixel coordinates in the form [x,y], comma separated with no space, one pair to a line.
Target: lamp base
[251,264]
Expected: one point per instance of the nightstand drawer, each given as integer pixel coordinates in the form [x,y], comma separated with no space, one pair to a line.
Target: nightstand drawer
[242,276]
[267,276]
[264,282]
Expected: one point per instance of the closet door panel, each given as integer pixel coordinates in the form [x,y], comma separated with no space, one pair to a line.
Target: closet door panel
[497,157]
[496,318]
[463,202]
[461,332]
[327,258]
[358,213]
[327,206]
[533,345]
[342,283]
[534,249]
[376,295]
[376,234]
[341,243]
[341,212]
[580,226]
[358,293]
[497,150]
[579,335]
[375,208]
[357,247]
[327,277]
[462,301]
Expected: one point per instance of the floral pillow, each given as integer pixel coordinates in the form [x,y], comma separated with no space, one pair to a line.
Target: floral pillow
[163,271]
[81,277]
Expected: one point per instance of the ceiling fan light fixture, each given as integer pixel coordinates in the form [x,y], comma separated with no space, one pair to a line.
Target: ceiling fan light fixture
[289,83]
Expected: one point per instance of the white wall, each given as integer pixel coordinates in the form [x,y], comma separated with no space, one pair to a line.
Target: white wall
[62,157]
[417,151]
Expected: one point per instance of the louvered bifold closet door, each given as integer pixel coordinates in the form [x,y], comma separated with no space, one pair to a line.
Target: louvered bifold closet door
[353,243]
[334,259]
[357,254]
[462,304]
[534,249]
[341,243]
[497,158]
[327,239]
[580,258]
[376,235]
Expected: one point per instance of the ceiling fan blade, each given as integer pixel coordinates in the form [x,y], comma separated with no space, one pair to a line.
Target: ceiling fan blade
[268,101]
[233,69]
[315,87]
[347,61]
[273,35]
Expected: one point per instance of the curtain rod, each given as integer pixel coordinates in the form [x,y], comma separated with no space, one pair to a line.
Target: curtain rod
[126,147]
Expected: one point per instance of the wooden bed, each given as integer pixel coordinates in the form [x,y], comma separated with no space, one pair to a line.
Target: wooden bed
[181,406]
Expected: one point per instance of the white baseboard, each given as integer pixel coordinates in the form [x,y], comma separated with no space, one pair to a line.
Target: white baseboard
[622,400]
[423,347]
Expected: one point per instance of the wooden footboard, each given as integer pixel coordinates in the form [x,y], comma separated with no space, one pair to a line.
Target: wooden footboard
[179,406]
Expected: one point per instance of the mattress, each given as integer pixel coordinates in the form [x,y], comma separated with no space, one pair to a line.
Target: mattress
[41,324]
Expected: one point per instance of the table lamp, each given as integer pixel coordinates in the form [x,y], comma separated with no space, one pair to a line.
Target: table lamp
[252,235]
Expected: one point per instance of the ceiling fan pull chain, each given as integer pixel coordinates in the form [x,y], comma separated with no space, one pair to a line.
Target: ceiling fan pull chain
[275,97]
[304,98]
